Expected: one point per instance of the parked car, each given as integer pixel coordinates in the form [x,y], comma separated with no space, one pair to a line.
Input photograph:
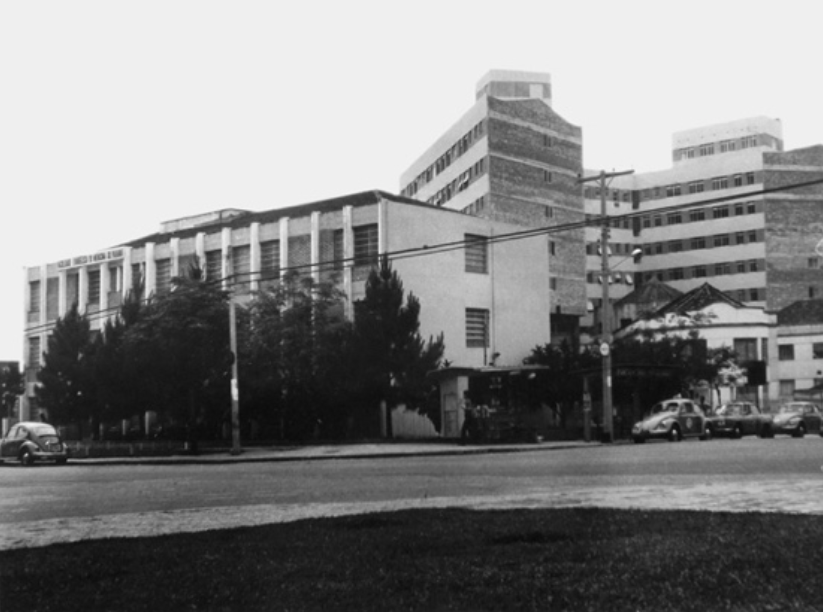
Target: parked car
[32,441]
[738,419]
[672,419]
[796,419]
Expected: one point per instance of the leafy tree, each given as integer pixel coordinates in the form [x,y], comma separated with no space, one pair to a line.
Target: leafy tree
[11,387]
[179,348]
[295,363]
[66,388]
[564,384]
[393,357]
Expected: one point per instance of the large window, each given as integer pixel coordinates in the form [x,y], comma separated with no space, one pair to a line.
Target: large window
[270,260]
[746,349]
[34,351]
[94,288]
[785,352]
[163,278]
[477,254]
[241,266]
[477,327]
[365,245]
[34,297]
[214,265]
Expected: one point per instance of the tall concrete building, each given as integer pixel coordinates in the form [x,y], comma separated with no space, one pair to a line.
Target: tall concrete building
[512,158]
[724,212]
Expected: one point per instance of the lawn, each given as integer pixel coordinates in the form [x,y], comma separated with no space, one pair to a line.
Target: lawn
[561,559]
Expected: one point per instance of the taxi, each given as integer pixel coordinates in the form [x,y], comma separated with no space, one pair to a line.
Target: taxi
[672,419]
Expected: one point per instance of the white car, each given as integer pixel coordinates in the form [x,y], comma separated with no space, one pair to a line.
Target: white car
[672,419]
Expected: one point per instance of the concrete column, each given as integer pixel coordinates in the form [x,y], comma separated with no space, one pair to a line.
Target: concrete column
[284,246]
[151,270]
[227,260]
[315,246]
[174,247]
[348,266]
[254,249]
[62,288]
[82,289]
[127,280]
[382,226]
[44,291]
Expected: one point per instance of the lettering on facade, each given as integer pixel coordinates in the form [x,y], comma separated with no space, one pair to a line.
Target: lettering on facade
[94,258]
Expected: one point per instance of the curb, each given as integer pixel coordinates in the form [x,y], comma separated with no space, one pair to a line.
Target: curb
[274,457]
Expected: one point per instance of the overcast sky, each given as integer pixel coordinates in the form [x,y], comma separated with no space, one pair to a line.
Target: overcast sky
[117,115]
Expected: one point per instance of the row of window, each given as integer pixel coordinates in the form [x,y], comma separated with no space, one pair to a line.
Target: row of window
[785,352]
[725,146]
[704,242]
[458,184]
[445,160]
[673,190]
[723,211]
[702,271]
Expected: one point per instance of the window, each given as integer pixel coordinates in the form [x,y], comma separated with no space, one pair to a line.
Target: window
[673,218]
[477,254]
[34,297]
[752,236]
[241,265]
[706,149]
[163,278]
[553,283]
[270,260]
[740,266]
[720,182]
[812,293]
[647,222]
[94,288]
[721,240]
[817,350]
[548,141]
[677,274]
[34,351]
[720,212]
[552,248]
[727,145]
[698,243]
[214,265]
[477,323]
[672,191]
[547,176]
[700,271]
[697,215]
[738,209]
[740,238]
[696,187]
[750,178]
[722,269]
[675,246]
[738,180]
[746,349]
[365,245]
[752,265]
[658,220]
[751,208]
[785,352]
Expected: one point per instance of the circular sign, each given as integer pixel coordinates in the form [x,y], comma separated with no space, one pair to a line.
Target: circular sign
[604,349]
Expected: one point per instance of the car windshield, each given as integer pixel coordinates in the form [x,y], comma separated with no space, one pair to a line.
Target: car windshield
[729,410]
[787,408]
[43,430]
[662,407]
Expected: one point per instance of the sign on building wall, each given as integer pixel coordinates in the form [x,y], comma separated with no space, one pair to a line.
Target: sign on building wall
[83,260]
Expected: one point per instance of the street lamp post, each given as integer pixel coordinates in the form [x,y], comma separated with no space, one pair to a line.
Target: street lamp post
[607,434]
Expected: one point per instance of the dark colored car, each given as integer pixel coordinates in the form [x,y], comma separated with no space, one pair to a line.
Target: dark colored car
[672,419]
[796,419]
[32,441]
[738,419]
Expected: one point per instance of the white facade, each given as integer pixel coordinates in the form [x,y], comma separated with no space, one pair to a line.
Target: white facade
[329,239]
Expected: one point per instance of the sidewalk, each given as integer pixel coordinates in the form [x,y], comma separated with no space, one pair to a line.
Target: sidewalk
[259,454]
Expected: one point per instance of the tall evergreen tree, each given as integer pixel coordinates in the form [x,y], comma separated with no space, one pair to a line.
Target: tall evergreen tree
[11,387]
[66,381]
[393,357]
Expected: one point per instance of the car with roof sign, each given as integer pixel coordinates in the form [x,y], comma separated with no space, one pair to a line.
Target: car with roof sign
[672,419]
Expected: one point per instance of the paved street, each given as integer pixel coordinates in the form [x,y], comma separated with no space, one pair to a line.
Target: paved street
[48,504]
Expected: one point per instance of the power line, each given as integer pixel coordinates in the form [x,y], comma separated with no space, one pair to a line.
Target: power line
[231,280]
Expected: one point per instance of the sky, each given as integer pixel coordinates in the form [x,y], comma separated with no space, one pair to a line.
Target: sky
[117,116]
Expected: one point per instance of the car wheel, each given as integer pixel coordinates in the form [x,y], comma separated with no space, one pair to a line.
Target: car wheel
[707,433]
[674,434]
[738,432]
[800,432]
[26,458]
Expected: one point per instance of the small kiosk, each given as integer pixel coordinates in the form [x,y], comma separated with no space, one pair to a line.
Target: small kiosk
[510,403]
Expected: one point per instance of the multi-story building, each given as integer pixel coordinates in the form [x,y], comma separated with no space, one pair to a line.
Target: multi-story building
[512,158]
[475,290]
[726,212]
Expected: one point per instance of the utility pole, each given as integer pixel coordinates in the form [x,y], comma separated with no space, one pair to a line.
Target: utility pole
[235,394]
[607,434]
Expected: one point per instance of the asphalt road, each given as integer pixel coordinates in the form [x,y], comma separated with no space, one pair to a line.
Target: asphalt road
[47,504]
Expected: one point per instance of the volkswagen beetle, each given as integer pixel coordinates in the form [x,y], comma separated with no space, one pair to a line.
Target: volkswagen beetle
[672,419]
[32,441]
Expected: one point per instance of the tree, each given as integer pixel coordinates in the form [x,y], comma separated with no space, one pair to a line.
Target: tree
[393,357]
[179,348]
[11,387]
[563,385]
[66,383]
[295,359]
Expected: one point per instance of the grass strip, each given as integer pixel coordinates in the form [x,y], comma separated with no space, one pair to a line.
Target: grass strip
[432,560]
